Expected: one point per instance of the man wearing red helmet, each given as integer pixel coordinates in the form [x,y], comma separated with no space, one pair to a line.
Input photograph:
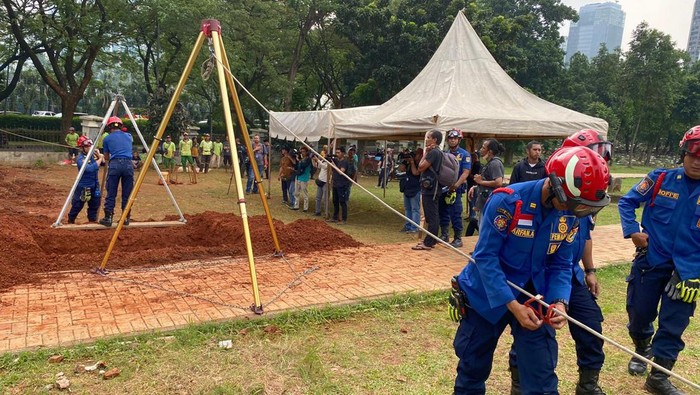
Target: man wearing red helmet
[118,148]
[88,190]
[450,204]
[584,291]
[526,237]
[665,268]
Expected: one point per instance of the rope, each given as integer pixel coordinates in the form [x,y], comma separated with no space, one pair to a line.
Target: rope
[37,140]
[463,254]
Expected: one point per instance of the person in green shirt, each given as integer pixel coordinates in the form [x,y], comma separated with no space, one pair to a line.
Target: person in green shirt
[186,151]
[216,157]
[72,143]
[207,147]
[169,156]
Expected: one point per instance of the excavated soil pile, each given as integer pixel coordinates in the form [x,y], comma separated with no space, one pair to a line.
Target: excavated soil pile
[29,246]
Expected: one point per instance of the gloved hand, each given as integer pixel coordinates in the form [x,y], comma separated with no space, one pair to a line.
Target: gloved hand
[689,290]
[450,198]
[672,289]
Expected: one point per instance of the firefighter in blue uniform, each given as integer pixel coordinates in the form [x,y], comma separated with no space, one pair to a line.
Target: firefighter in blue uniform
[88,190]
[584,289]
[450,207]
[118,148]
[526,238]
[666,265]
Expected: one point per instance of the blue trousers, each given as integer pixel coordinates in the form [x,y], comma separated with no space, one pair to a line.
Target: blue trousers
[412,210]
[77,204]
[451,214]
[290,191]
[120,169]
[583,308]
[340,203]
[251,178]
[645,287]
[285,189]
[475,343]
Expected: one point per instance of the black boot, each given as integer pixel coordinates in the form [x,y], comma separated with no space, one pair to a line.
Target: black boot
[71,220]
[107,220]
[657,381]
[126,221]
[514,381]
[588,383]
[637,367]
[445,235]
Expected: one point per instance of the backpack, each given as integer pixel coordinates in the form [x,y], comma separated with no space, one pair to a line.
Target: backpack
[448,174]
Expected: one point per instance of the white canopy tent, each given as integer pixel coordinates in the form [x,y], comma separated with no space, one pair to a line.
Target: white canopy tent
[463,87]
[311,125]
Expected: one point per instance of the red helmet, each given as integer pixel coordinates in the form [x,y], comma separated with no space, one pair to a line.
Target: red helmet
[79,143]
[86,142]
[690,143]
[592,139]
[114,123]
[452,133]
[579,178]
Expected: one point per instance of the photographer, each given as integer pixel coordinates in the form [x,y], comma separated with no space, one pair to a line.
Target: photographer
[409,185]
[285,174]
[429,187]
[491,176]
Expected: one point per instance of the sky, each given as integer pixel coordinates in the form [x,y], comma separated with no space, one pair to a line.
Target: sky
[669,16]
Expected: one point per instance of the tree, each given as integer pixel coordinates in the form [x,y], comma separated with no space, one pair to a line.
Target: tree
[651,76]
[62,38]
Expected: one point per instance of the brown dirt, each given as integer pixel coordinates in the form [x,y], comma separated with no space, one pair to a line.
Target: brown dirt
[30,247]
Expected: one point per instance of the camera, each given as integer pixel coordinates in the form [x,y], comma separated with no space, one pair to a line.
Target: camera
[404,156]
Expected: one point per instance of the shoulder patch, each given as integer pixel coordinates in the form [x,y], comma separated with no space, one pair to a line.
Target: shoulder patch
[644,186]
[504,212]
[500,222]
[467,158]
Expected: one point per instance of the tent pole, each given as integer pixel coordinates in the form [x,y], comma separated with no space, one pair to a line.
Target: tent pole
[386,161]
[154,148]
[246,138]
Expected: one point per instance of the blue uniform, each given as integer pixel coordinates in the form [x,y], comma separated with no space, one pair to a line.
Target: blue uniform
[533,249]
[452,213]
[671,218]
[89,181]
[119,146]
[583,308]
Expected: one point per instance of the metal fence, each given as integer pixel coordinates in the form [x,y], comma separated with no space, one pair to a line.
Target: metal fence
[32,140]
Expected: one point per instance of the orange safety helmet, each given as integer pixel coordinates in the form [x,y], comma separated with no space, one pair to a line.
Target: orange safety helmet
[592,139]
[579,178]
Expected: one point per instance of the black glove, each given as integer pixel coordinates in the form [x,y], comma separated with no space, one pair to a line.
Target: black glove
[672,289]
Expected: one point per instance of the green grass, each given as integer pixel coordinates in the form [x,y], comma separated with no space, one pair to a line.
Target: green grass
[398,345]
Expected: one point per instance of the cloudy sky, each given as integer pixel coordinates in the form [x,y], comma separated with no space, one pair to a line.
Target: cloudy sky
[670,16]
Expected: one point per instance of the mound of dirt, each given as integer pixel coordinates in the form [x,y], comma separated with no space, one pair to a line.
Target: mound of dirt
[31,247]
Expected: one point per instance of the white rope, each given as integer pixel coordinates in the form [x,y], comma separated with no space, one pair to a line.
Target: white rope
[465,255]
[37,140]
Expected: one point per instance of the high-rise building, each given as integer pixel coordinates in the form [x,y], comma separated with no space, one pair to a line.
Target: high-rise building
[694,36]
[599,23]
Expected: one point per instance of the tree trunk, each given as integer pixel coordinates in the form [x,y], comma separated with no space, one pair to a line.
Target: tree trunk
[634,139]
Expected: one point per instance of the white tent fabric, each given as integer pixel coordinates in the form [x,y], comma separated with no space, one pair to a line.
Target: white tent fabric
[464,87]
[311,125]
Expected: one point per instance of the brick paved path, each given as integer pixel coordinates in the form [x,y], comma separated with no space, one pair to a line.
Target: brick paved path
[81,306]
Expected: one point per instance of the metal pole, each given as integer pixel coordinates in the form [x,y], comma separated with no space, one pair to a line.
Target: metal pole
[155,164]
[82,168]
[220,54]
[156,142]
[249,148]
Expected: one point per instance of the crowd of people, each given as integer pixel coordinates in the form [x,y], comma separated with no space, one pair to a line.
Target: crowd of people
[535,233]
